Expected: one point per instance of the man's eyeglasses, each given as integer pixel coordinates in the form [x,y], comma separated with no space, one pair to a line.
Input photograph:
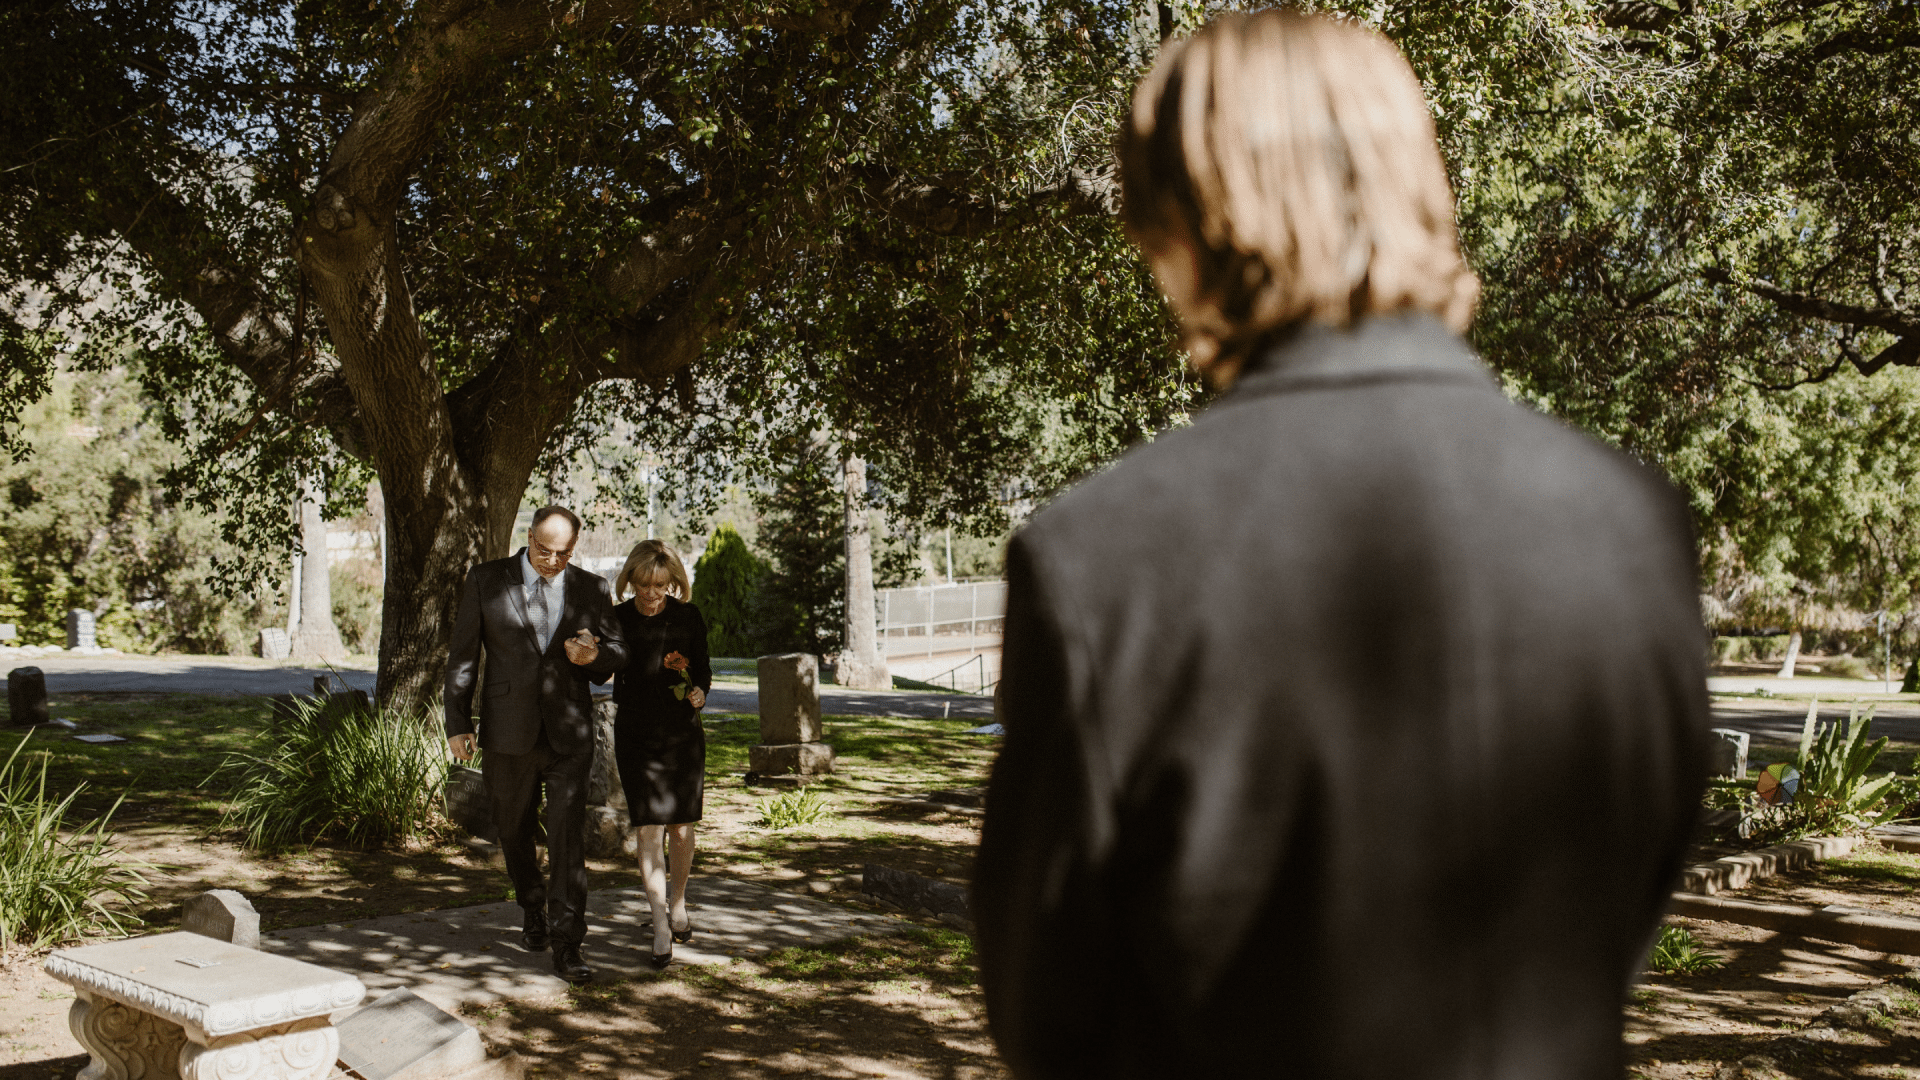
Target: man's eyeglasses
[541,551]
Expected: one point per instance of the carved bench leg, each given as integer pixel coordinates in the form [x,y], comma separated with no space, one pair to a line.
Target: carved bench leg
[126,1044]
[302,1050]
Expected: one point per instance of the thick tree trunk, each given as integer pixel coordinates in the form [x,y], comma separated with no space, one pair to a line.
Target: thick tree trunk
[1793,656]
[861,663]
[315,639]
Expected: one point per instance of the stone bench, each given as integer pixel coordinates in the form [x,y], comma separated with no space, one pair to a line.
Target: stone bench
[183,1005]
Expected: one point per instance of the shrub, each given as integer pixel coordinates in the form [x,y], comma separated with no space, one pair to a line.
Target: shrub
[726,582]
[1677,953]
[801,806]
[363,777]
[1836,795]
[56,882]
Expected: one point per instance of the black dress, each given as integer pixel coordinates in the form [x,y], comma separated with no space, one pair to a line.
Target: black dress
[657,741]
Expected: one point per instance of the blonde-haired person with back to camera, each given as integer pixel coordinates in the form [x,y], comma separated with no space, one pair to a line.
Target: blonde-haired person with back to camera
[1392,778]
[658,744]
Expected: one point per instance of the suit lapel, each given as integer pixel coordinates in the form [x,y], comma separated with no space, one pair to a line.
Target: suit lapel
[517,598]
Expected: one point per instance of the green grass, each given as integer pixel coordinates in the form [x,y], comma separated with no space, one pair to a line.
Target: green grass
[59,879]
[1890,867]
[933,957]
[175,741]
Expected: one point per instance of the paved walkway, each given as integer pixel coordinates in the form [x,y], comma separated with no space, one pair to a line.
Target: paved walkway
[245,675]
[473,955]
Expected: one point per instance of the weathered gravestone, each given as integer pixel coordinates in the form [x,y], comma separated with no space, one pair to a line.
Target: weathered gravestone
[911,891]
[27,696]
[403,1036]
[223,915]
[468,805]
[8,631]
[1729,753]
[610,831]
[790,749]
[274,644]
[80,630]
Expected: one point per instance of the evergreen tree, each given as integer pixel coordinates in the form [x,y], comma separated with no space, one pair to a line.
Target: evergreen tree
[801,526]
[726,584]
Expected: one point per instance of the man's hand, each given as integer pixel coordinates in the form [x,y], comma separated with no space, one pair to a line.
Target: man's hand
[582,648]
[697,698]
[462,747]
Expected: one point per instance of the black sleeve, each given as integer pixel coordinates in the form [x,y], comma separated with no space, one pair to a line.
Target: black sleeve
[604,623]
[700,665]
[463,659]
[1046,963]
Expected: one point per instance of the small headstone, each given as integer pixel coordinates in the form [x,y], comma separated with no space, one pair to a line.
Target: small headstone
[80,633]
[789,698]
[1729,753]
[223,915]
[27,696]
[102,738]
[403,1036]
[468,805]
[274,644]
[8,631]
[790,759]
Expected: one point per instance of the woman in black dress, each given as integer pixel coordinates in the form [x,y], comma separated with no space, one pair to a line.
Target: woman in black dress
[658,744]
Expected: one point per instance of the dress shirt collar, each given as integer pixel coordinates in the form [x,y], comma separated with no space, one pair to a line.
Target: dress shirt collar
[531,577]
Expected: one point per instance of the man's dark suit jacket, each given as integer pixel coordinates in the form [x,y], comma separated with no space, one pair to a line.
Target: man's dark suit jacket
[526,688]
[1355,731]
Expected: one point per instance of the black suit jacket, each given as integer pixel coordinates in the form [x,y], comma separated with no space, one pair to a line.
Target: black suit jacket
[1356,731]
[528,690]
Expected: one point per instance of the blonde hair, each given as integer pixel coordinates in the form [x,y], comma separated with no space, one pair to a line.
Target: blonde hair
[647,558]
[1297,154]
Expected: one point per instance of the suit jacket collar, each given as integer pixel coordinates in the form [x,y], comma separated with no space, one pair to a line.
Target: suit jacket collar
[1380,348]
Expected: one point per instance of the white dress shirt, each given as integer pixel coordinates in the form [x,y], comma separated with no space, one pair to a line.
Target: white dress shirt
[556,601]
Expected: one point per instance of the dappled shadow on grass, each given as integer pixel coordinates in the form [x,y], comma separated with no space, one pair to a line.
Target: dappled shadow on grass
[868,1007]
[1770,986]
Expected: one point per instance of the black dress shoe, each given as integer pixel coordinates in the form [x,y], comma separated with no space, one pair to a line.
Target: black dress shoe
[567,961]
[533,932]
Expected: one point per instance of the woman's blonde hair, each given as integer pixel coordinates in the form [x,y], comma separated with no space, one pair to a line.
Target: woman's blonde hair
[1297,154]
[647,559]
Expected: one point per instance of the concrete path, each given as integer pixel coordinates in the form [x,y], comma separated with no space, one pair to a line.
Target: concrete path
[1780,721]
[473,955]
[245,675]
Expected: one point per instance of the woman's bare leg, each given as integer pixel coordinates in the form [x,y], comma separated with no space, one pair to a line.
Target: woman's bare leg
[680,866]
[653,877]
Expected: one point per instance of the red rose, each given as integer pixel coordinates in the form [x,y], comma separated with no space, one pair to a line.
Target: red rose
[674,662]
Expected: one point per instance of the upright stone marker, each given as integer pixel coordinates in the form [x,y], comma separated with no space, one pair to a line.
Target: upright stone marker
[80,629]
[790,746]
[27,696]
[273,644]
[223,915]
[1729,753]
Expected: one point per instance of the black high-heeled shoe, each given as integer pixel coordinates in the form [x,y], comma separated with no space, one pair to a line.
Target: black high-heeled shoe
[662,959]
[682,936]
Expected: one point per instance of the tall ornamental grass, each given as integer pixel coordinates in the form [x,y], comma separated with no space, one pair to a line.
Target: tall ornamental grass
[359,777]
[58,883]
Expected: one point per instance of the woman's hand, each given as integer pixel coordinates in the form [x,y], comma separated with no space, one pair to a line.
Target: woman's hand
[697,698]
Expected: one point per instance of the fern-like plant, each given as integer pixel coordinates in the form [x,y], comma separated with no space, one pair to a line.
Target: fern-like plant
[1837,794]
[801,806]
[1676,952]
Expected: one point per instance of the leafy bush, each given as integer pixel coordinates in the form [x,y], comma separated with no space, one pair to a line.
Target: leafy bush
[801,806]
[55,883]
[726,583]
[1677,953]
[1836,795]
[363,777]
[1847,666]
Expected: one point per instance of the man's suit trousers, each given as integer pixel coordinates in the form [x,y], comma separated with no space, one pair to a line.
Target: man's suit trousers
[513,786]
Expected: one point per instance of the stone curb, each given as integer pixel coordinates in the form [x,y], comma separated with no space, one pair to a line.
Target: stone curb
[1739,871]
[1848,926]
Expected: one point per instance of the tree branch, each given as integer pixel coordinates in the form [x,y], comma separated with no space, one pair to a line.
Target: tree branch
[1903,322]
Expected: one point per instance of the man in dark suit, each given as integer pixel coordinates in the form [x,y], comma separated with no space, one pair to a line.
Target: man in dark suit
[547,630]
[1356,730]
